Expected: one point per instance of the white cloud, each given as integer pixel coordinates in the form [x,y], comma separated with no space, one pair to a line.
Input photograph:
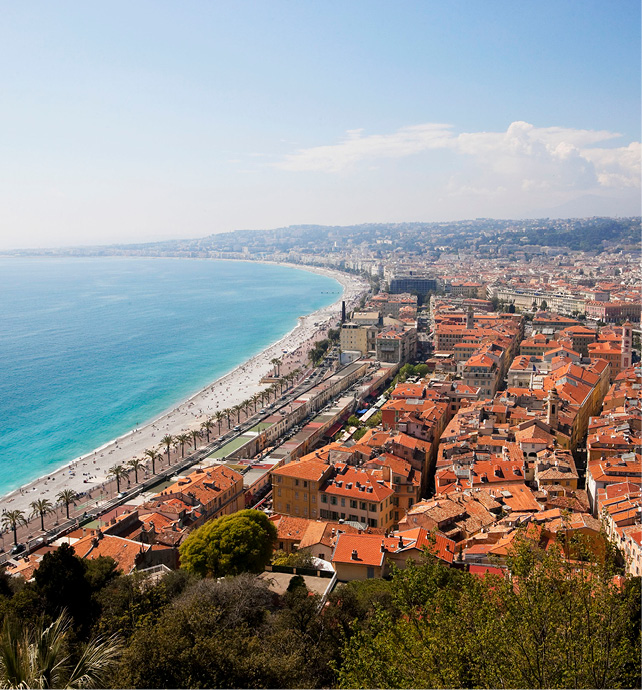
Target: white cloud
[524,158]
[356,148]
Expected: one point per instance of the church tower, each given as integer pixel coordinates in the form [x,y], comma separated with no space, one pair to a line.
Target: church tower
[470,319]
[552,409]
[627,344]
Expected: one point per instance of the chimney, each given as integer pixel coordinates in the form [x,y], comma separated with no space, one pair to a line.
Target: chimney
[383,546]
[354,555]
[343,312]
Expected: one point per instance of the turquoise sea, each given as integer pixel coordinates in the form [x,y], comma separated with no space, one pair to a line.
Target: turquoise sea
[92,347]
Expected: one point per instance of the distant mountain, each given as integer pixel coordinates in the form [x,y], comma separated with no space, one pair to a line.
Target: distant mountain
[587,206]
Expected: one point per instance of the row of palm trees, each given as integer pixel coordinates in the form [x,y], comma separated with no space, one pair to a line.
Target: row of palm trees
[13,519]
[169,442]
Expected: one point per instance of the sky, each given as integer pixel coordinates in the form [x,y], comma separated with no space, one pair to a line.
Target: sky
[143,121]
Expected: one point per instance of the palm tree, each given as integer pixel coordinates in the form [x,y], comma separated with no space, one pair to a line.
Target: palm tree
[277,363]
[41,507]
[246,405]
[12,519]
[67,496]
[228,412]
[264,395]
[167,440]
[219,420]
[195,434]
[117,472]
[183,439]
[207,427]
[36,657]
[136,464]
[237,410]
[255,400]
[153,455]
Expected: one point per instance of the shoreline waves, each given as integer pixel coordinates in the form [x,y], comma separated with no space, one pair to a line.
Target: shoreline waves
[89,471]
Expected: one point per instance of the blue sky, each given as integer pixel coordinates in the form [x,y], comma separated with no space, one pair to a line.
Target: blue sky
[134,121]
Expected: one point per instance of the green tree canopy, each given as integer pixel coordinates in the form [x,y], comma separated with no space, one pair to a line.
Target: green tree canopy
[552,624]
[232,544]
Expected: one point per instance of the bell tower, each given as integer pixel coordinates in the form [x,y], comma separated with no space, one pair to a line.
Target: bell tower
[627,344]
[552,408]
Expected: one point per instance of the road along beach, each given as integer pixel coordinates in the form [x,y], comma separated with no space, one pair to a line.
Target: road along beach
[91,470]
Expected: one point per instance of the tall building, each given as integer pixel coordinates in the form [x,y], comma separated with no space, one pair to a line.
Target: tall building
[421,285]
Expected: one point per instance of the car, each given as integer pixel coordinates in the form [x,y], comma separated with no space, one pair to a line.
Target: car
[17,548]
[236,428]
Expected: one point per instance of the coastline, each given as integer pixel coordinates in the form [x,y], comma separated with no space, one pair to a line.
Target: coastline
[89,471]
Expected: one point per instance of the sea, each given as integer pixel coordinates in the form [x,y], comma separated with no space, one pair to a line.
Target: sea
[92,347]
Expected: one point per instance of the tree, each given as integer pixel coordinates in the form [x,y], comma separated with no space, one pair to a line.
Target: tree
[206,428]
[277,365]
[41,507]
[37,657]
[246,406]
[135,464]
[153,456]
[232,544]
[118,472]
[552,623]
[61,582]
[12,519]
[218,416]
[421,370]
[167,441]
[67,496]
[196,435]
[298,559]
[182,439]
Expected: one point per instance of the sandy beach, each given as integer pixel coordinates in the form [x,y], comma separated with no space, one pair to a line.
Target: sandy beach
[91,470]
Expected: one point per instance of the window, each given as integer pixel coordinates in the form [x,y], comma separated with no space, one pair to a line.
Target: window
[333,500]
[353,504]
[373,507]
[296,494]
[305,484]
[278,491]
[370,572]
[305,497]
[363,506]
[314,498]
[324,498]
[343,502]
[296,482]
[287,507]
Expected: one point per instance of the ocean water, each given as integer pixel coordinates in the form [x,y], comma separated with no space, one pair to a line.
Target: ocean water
[92,347]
